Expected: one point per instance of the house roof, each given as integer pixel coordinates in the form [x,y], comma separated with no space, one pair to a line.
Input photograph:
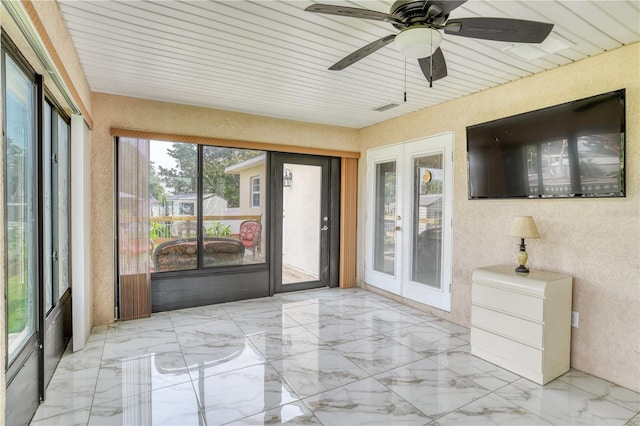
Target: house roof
[271,57]
[247,164]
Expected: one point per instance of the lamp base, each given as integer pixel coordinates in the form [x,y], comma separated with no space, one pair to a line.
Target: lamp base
[522,259]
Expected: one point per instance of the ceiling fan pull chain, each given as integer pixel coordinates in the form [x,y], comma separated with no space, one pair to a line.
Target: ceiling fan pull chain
[431,62]
[405,79]
[431,71]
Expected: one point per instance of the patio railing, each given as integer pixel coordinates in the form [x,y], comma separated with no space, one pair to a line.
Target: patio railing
[165,228]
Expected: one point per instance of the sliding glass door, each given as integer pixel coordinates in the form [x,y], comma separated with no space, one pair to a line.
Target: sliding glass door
[36,228]
[55,237]
[212,224]
[21,238]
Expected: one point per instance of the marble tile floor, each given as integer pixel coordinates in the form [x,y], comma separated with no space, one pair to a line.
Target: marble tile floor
[326,356]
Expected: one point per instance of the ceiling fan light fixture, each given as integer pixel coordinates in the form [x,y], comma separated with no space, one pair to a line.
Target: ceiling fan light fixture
[418,42]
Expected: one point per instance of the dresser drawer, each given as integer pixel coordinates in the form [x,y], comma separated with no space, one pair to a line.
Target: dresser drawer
[508,326]
[518,304]
[521,358]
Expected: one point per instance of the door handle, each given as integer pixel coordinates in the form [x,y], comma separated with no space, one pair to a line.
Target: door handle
[397,228]
[324,228]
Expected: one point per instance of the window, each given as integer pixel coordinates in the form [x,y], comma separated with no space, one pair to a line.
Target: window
[173,205]
[231,223]
[20,205]
[255,192]
[203,222]
[56,205]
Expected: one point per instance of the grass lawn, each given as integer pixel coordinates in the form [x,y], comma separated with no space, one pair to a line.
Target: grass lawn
[18,304]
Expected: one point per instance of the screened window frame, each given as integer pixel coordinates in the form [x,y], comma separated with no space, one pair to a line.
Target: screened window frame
[348,184]
[201,235]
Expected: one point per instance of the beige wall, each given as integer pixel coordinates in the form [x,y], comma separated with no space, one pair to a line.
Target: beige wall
[122,112]
[596,241]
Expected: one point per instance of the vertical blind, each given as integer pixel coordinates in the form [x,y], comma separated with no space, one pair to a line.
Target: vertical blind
[134,246]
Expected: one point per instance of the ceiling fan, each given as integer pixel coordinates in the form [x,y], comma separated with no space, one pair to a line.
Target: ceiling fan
[420,23]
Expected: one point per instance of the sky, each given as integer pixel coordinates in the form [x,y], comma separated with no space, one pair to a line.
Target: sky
[159,156]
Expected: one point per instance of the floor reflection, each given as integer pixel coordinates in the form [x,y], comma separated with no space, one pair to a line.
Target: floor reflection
[325,356]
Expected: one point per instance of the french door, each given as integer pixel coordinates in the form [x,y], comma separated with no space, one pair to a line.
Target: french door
[305,223]
[408,221]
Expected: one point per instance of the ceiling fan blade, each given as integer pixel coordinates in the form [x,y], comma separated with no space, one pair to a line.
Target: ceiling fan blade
[436,70]
[443,6]
[354,12]
[362,53]
[499,29]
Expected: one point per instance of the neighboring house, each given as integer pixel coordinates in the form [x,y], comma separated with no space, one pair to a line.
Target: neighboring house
[252,195]
[155,207]
[186,205]
[252,181]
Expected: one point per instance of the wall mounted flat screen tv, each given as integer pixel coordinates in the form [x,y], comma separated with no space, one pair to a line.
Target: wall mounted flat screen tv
[573,150]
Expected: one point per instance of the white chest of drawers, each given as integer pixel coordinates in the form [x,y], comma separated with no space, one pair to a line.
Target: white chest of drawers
[522,323]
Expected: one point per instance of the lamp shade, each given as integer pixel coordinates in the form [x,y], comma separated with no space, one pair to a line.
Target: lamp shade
[524,227]
[418,42]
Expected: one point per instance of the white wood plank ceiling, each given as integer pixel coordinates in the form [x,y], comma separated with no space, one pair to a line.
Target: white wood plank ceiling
[271,57]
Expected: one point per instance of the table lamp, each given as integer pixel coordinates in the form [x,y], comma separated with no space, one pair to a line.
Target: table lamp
[523,227]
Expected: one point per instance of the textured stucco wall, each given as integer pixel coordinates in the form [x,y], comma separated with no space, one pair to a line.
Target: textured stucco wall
[597,241]
[53,23]
[139,114]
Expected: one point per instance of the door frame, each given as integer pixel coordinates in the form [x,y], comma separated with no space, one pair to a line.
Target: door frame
[330,208]
[400,283]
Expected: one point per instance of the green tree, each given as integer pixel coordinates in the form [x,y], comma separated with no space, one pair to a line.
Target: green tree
[215,180]
[182,179]
[155,185]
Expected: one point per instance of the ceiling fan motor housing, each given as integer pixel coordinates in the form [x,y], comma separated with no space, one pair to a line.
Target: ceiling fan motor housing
[413,12]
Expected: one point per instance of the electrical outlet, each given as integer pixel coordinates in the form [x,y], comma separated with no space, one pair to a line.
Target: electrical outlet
[575,319]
